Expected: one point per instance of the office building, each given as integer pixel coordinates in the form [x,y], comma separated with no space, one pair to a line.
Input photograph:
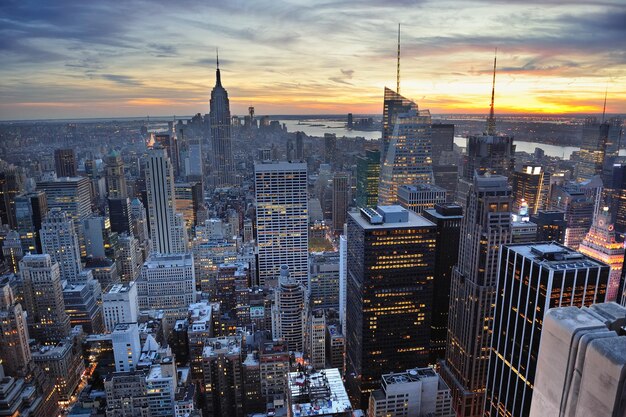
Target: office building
[14,350]
[82,304]
[340,200]
[551,225]
[600,144]
[69,194]
[190,202]
[130,258]
[533,278]
[318,393]
[448,219]
[485,227]
[330,148]
[523,231]
[223,164]
[43,298]
[335,347]
[343,277]
[100,242]
[289,311]
[59,240]
[11,184]
[581,363]
[63,363]
[126,346]
[323,283]
[274,366]
[316,343]
[168,283]
[167,228]
[115,177]
[30,209]
[531,188]
[578,209]
[618,198]
[120,215]
[281,220]
[442,140]
[19,398]
[12,250]
[407,158]
[367,178]
[65,163]
[390,272]
[419,197]
[415,392]
[393,105]
[489,153]
[120,305]
[447,177]
[601,244]
[104,270]
[299,147]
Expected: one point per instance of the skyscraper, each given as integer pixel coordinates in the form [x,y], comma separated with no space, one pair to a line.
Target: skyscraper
[289,311]
[330,148]
[486,226]
[115,178]
[167,228]
[601,244]
[531,188]
[419,197]
[223,164]
[551,225]
[43,298]
[390,273]
[14,350]
[600,142]
[442,140]
[448,219]
[65,163]
[282,219]
[72,195]
[367,178]
[30,210]
[59,240]
[533,278]
[341,200]
[408,157]
[10,186]
[578,210]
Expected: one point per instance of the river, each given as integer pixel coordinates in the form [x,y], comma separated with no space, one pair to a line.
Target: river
[317,127]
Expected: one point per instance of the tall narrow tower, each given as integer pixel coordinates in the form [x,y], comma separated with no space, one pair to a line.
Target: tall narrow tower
[167,228]
[223,166]
[491,121]
[485,227]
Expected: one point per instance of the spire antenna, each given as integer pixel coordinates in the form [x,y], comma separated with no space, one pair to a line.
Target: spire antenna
[217,54]
[606,90]
[398,66]
[491,121]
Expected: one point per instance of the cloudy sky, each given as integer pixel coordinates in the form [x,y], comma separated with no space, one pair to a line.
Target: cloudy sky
[79,58]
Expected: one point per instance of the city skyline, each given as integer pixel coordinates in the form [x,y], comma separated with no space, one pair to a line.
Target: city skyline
[80,60]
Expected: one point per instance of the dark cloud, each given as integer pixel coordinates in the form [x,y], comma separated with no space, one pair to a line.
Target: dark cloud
[122,79]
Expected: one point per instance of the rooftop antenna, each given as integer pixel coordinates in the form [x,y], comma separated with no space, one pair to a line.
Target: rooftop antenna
[398,66]
[217,54]
[491,121]
[606,89]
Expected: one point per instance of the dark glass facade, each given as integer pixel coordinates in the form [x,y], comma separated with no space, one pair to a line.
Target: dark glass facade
[533,278]
[390,271]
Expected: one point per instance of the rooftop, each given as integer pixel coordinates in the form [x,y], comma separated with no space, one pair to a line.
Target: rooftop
[388,216]
[555,256]
[317,393]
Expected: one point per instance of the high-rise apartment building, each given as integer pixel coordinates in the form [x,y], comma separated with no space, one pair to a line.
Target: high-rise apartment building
[448,219]
[390,271]
[533,278]
[407,157]
[367,178]
[581,364]
[223,164]
[282,219]
[531,188]
[485,227]
[341,200]
[222,372]
[65,163]
[59,240]
[289,312]
[43,298]
[601,244]
[167,227]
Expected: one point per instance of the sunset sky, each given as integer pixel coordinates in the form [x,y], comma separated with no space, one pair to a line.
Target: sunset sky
[79,58]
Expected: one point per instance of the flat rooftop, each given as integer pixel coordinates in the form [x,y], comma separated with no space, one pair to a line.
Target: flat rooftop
[414,220]
[317,393]
[555,256]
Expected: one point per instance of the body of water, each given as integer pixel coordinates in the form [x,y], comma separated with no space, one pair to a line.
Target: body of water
[317,127]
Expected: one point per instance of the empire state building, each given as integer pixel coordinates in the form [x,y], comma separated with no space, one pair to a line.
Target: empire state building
[223,167]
